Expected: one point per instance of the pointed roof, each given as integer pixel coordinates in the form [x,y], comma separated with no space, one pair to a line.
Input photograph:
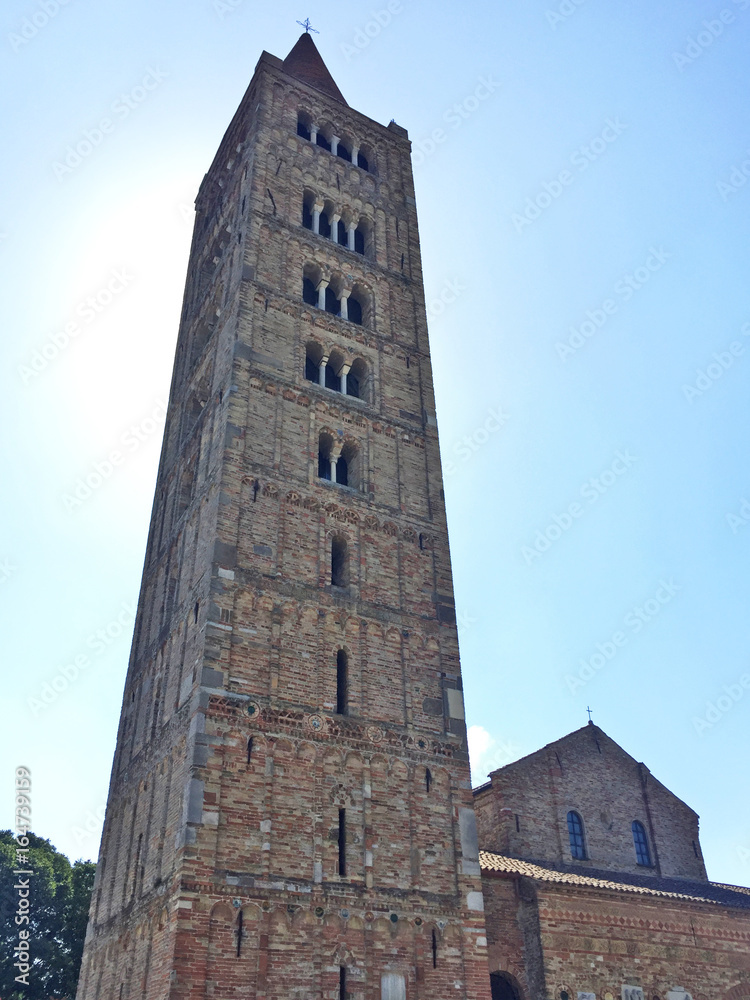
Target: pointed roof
[306,64]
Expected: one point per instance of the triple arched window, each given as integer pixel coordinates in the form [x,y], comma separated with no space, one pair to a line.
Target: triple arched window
[344,146]
[334,295]
[333,371]
[342,227]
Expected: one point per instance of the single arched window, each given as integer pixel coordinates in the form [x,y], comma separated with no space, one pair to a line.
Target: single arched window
[354,310]
[313,356]
[325,444]
[342,234]
[333,305]
[504,987]
[307,216]
[339,562]
[343,152]
[333,381]
[359,241]
[321,140]
[575,833]
[362,161]
[324,225]
[640,842]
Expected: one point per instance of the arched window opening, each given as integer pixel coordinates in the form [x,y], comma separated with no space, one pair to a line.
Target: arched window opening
[324,227]
[434,949]
[342,683]
[303,126]
[333,305]
[325,444]
[307,211]
[342,235]
[342,845]
[339,562]
[504,986]
[333,381]
[427,779]
[313,357]
[640,842]
[320,140]
[575,833]
[348,466]
[355,311]
[359,241]
[342,982]
[362,161]
[309,292]
[356,379]
[344,152]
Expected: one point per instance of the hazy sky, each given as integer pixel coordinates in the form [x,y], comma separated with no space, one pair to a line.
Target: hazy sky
[582,184]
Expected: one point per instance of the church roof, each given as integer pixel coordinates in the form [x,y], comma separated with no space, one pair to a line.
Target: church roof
[684,889]
[306,64]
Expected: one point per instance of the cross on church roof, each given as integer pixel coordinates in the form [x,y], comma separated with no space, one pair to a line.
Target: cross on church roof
[589,711]
[307,26]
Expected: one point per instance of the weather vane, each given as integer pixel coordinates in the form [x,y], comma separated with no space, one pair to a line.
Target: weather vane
[307,26]
[589,711]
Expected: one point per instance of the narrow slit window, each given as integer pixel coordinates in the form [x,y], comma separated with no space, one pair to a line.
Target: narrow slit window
[339,562]
[239,934]
[249,749]
[342,843]
[434,949]
[342,683]
[427,778]
[342,982]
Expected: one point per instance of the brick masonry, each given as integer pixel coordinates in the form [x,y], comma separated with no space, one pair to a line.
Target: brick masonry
[219,870]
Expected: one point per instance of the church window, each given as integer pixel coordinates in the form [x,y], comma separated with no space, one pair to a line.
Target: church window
[434,949]
[333,305]
[239,935]
[309,292]
[427,778]
[343,152]
[339,562]
[575,833]
[307,215]
[332,380]
[313,357]
[342,683]
[342,234]
[355,310]
[504,987]
[642,853]
[324,225]
[342,982]
[342,842]
[249,749]
[320,140]
[362,161]
[356,378]
[303,126]
[359,241]
[325,443]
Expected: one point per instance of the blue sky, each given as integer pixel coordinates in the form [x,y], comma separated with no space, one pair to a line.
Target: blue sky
[584,222]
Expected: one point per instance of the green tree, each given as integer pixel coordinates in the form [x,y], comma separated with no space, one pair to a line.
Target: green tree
[59,905]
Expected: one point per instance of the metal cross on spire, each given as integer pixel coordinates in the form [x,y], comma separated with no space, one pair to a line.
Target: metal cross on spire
[589,711]
[307,26]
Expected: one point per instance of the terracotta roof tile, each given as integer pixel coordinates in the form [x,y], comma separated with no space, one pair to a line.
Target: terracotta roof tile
[701,892]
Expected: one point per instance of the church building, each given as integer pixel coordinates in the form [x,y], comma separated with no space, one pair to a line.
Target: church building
[290,813]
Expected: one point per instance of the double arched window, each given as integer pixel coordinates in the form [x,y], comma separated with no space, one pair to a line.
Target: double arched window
[338,464]
[640,842]
[344,146]
[576,836]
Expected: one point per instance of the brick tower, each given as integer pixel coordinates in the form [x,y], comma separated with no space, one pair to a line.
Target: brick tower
[290,812]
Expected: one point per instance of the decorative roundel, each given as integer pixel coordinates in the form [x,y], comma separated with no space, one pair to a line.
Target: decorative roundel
[421,744]
[418,921]
[344,914]
[374,734]
[236,903]
[394,918]
[563,993]
[253,709]
[319,911]
[369,916]
[316,723]
[265,905]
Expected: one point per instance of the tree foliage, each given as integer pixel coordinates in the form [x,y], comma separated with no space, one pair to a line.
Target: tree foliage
[59,903]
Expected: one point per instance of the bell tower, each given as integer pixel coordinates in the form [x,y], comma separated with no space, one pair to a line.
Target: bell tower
[290,811]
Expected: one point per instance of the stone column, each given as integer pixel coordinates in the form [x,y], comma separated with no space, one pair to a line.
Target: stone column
[322,293]
[345,293]
[335,227]
[313,133]
[316,210]
[355,154]
[322,370]
[334,144]
[352,230]
[345,370]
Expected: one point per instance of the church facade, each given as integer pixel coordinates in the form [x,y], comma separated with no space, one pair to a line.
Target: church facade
[595,886]
[290,811]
